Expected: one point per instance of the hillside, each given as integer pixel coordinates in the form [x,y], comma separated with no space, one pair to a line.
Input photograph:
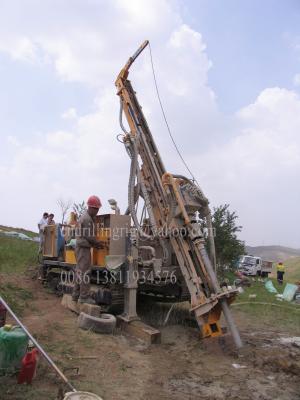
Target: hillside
[20,230]
[273,253]
[293,269]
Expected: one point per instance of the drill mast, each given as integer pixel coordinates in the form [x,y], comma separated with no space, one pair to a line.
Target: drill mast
[174,205]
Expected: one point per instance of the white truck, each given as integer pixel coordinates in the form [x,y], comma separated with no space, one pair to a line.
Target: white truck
[253,266]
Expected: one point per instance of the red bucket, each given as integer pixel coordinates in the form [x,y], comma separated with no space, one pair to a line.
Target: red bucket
[2,315]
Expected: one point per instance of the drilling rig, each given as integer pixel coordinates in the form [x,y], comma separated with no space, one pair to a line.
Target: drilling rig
[163,255]
[174,204]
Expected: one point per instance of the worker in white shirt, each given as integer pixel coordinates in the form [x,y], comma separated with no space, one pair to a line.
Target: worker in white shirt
[50,220]
[41,225]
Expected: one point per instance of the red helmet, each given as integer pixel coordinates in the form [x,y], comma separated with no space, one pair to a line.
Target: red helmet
[94,202]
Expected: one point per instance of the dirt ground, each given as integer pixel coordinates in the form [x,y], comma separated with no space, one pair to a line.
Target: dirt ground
[119,367]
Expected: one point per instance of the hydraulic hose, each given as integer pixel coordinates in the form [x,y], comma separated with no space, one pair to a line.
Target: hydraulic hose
[211,241]
[121,118]
[212,250]
[192,184]
[135,173]
[131,197]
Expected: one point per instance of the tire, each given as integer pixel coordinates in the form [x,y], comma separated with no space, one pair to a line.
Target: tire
[106,323]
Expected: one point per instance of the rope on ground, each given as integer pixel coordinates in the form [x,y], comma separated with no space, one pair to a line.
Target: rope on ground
[264,304]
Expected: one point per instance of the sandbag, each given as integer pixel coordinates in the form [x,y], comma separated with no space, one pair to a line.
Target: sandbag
[270,287]
[289,291]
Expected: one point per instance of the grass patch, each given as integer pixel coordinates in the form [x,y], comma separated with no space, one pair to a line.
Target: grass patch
[272,314]
[280,314]
[59,348]
[16,255]
[292,269]
[16,297]
[86,339]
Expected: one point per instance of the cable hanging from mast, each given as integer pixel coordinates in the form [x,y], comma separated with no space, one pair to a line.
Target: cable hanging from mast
[165,118]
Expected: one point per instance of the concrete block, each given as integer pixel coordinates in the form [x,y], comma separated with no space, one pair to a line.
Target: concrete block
[67,302]
[140,330]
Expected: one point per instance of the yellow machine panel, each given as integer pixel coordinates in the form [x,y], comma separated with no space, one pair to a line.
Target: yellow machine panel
[98,256]
[111,230]
[70,256]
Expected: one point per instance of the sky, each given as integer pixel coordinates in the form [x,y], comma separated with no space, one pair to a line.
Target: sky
[229,77]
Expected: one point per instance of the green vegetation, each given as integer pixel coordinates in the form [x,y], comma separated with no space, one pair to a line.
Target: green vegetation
[16,254]
[273,313]
[16,297]
[228,246]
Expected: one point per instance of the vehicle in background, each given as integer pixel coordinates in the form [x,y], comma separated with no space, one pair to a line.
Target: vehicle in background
[254,266]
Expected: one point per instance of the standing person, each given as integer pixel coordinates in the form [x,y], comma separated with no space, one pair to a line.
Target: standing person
[85,240]
[41,225]
[280,272]
[51,220]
